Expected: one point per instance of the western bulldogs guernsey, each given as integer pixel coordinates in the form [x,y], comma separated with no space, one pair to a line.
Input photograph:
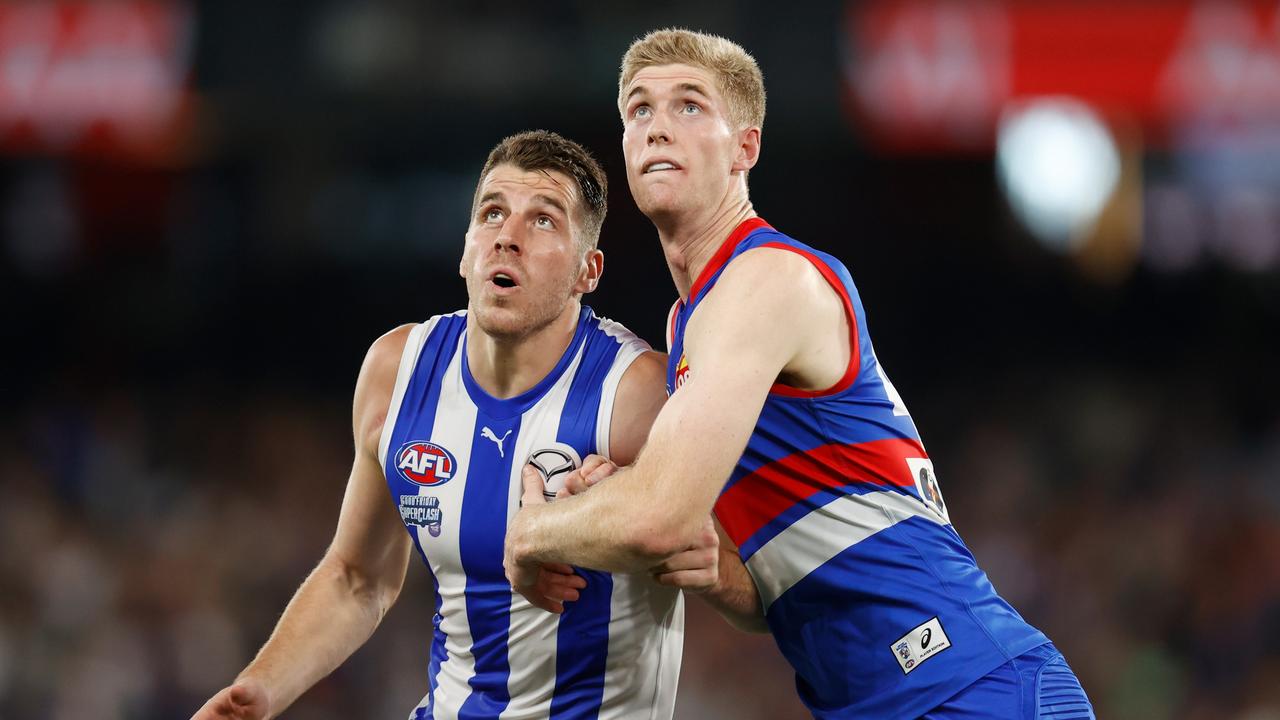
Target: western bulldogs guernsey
[452,455]
[867,588]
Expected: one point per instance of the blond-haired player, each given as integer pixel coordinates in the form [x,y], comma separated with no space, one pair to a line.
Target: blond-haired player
[782,419]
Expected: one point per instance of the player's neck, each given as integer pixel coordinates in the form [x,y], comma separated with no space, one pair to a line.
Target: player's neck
[508,366]
[690,242]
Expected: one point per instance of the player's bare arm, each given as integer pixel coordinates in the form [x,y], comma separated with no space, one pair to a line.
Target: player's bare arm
[641,394]
[340,604]
[711,568]
[701,432]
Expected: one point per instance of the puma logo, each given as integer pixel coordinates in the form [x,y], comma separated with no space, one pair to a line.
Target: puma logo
[486,433]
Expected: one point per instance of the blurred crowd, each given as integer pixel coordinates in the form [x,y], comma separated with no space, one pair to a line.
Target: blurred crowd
[149,538]
[208,209]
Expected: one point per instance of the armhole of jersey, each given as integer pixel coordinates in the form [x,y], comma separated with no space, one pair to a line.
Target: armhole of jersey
[671,324]
[408,362]
[855,357]
[632,348]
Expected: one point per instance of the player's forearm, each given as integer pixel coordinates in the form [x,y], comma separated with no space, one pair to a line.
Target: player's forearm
[615,527]
[735,596]
[333,613]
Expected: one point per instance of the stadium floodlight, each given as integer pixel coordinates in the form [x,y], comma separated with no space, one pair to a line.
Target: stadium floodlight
[1058,164]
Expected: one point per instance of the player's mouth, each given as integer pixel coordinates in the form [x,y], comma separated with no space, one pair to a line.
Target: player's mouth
[504,279]
[657,165]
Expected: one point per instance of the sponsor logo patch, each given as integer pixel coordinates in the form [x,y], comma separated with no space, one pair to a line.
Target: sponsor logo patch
[423,511]
[682,372]
[425,463]
[921,643]
[554,463]
[927,485]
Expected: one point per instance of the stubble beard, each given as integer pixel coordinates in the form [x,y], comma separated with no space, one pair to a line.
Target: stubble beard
[504,320]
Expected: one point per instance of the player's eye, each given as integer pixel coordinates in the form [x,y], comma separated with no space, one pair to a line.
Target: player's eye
[545,222]
[691,109]
[640,111]
[493,215]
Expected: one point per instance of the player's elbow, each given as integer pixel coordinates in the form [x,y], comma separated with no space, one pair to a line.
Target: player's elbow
[376,592]
[655,537]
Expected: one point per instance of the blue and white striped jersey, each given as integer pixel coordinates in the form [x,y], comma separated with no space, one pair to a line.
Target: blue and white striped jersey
[452,455]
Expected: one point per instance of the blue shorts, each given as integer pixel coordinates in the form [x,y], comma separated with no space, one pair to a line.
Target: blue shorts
[1036,685]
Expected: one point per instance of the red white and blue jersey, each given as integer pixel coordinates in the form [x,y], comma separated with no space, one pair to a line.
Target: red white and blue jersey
[452,455]
[871,595]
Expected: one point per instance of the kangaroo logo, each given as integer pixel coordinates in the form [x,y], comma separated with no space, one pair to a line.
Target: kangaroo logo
[488,434]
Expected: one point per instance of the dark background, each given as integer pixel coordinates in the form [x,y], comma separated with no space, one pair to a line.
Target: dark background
[183,327]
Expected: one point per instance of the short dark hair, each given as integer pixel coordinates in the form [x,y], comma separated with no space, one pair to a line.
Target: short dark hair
[545,150]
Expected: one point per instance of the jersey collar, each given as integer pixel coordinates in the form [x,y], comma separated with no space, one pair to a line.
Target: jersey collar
[745,228]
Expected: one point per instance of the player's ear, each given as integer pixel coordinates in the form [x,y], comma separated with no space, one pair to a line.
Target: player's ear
[748,149]
[592,269]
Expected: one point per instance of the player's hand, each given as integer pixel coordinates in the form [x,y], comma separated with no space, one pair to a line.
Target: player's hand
[594,469]
[246,699]
[545,585]
[697,568]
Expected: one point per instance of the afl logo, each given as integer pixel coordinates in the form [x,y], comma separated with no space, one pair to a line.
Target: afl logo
[425,463]
[682,371]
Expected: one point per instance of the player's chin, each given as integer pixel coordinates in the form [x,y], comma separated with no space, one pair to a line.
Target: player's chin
[659,202]
[502,319]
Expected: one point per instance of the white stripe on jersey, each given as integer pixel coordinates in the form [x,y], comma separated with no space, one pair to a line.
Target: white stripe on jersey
[531,645]
[826,532]
[632,348]
[631,637]
[408,361]
[455,430]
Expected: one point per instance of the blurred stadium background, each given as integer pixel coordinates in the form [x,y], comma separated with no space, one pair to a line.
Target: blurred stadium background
[1063,216]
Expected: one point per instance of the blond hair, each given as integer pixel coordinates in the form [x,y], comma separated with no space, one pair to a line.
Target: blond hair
[736,73]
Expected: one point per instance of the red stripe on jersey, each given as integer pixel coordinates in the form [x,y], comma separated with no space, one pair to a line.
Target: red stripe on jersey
[771,490]
[671,323]
[855,358]
[745,228]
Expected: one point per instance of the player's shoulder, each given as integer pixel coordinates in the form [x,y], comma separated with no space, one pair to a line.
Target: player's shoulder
[388,347]
[765,276]
[382,361]
[386,351]
[649,368]
[616,332]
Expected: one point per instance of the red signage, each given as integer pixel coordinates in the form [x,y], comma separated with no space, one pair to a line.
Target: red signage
[933,74]
[93,76]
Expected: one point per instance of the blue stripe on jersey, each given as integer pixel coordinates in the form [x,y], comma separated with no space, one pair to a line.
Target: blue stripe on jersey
[483,529]
[581,406]
[421,396]
[582,639]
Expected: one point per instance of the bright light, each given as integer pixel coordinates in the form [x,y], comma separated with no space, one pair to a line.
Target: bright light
[1058,164]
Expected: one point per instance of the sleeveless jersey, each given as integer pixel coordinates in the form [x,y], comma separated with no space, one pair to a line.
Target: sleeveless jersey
[869,591]
[452,455]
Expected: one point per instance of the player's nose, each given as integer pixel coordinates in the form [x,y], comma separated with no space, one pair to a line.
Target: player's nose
[509,238]
[659,132]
